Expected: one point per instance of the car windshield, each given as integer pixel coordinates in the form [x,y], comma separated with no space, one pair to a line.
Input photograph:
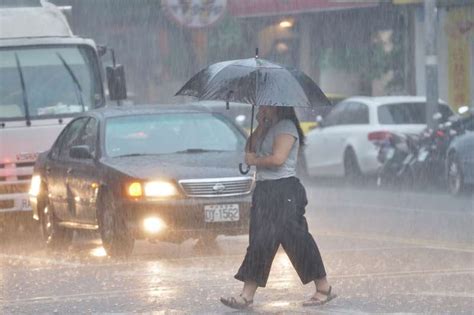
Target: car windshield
[170,133]
[47,82]
[240,114]
[408,113]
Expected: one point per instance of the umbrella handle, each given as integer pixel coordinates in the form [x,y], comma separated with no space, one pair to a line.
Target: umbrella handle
[242,171]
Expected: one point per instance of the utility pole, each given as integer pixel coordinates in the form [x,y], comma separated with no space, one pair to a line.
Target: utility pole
[431,60]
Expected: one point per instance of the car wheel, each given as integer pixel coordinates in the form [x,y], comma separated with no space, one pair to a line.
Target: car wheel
[454,175]
[352,170]
[116,237]
[56,236]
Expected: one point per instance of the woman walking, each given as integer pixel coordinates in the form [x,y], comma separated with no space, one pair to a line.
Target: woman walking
[278,207]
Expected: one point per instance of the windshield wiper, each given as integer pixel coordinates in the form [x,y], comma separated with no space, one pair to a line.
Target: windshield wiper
[134,154]
[78,88]
[23,89]
[131,154]
[197,150]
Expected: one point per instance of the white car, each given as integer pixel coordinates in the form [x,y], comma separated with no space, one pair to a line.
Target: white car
[344,143]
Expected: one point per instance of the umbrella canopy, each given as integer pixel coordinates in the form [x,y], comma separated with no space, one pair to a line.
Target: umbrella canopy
[255,81]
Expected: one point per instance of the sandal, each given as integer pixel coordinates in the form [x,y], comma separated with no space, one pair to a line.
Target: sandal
[314,301]
[232,302]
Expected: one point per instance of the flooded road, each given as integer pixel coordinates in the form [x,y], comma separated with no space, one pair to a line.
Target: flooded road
[384,252]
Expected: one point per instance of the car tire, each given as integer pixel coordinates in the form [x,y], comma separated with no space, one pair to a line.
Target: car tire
[454,175]
[55,236]
[352,171]
[116,237]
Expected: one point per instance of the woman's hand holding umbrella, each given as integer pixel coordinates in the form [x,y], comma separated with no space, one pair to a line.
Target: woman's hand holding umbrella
[251,158]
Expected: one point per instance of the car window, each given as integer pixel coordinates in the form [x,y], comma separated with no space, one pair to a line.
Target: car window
[70,137]
[89,135]
[237,113]
[335,117]
[170,133]
[356,114]
[408,113]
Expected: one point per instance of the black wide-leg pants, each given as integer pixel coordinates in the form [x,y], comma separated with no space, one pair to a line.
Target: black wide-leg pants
[277,217]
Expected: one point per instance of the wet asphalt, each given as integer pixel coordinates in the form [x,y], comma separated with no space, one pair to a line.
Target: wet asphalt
[385,251]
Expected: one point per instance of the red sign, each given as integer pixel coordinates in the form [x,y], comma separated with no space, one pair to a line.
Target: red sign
[247,8]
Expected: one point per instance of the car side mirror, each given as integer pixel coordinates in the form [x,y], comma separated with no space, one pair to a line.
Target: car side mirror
[116,80]
[80,152]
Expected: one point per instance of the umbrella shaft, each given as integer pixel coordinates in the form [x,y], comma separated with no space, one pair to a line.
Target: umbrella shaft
[251,126]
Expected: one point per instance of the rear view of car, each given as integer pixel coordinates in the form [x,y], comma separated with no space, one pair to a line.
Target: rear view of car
[347,142]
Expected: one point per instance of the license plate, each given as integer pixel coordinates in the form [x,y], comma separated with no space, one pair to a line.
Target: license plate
[221,213]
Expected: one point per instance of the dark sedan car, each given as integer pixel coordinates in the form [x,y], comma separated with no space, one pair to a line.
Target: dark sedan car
[144,172]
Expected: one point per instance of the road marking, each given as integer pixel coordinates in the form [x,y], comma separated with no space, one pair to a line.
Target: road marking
[50,261]
[169,291]
[442,294]
[403,274]
[394,208]
[416,243]
[88,295]
[166,291]
[369,249]
[458,247]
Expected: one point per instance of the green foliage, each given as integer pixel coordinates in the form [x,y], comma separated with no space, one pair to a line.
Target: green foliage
[397,63]
[370,61]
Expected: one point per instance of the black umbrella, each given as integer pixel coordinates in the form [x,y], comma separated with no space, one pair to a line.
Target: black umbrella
[257,82]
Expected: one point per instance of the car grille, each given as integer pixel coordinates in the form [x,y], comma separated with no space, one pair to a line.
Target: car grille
[6,204]
[217,187]
[16,171]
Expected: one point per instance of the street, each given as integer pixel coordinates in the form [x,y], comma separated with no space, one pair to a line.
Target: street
[384,251]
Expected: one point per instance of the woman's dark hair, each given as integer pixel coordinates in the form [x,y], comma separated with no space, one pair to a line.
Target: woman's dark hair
[284,112]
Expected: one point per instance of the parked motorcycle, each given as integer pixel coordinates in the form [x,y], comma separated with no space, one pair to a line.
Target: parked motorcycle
[430,161]
[405,158]
[396,155]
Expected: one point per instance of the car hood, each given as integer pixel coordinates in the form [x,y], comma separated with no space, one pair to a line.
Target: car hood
[179,166]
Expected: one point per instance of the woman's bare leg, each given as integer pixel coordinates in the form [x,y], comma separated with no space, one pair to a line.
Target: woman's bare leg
[322,285]
[248,292]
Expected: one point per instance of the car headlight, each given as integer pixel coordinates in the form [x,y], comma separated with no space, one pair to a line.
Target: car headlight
[135,190]
[35,185]
[160,189]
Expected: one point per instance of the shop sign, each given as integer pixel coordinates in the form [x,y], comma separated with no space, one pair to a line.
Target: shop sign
[195,13]
[459,26]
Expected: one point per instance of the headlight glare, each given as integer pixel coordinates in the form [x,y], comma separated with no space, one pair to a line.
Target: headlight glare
[153,225]
[160,189]
[35,185]
[135,189]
